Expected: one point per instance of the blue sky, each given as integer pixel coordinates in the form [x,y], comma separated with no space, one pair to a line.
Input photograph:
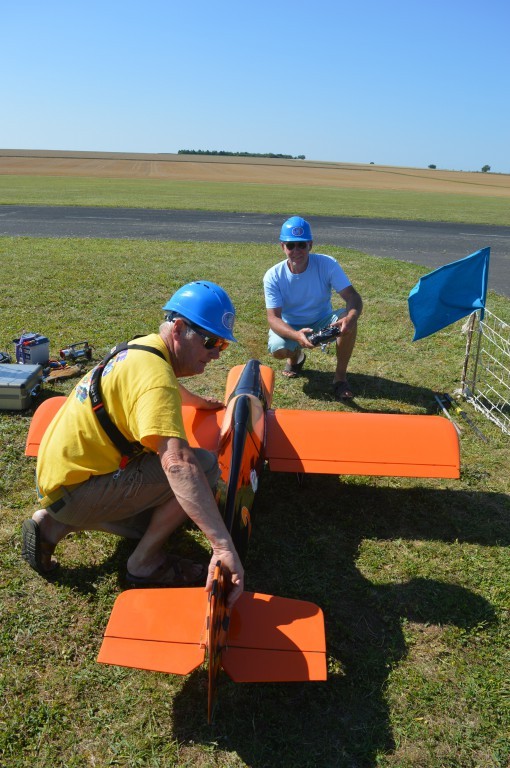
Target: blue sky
[394,82]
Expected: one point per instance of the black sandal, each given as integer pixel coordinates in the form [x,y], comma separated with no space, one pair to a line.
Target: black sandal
[342,391]
[33,547]
[292,370]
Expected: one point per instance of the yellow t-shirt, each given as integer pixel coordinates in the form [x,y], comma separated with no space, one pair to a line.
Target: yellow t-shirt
[141,395]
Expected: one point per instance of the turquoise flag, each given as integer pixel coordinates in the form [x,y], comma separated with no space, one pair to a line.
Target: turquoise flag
[449,293]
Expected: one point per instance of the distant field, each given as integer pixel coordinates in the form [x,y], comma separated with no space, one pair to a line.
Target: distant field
[252,185]
[251,171]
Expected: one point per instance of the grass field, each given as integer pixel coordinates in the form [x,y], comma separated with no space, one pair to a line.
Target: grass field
[413,576]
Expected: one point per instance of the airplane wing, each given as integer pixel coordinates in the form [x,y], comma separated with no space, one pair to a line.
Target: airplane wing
[338,442]
[314,441]
[247,433]
[40,420]
[342,443]
[202,427]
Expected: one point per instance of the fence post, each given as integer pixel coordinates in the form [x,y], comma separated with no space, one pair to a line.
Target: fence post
[470,329]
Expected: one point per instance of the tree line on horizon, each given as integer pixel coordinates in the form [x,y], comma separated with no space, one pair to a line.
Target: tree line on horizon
[485,168]
[238,154]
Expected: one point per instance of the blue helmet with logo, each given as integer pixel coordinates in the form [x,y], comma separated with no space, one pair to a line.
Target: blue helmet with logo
[295,228]
[207,305]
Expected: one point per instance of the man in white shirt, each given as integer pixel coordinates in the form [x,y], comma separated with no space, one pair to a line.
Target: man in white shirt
[298,302]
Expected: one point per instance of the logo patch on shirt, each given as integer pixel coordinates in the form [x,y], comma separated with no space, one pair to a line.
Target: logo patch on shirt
[82,388]
[117,359]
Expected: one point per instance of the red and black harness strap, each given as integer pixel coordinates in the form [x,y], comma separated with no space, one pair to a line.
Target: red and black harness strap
[127,449]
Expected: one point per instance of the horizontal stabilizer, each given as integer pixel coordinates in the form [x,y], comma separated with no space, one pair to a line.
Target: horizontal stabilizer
[275,639]
[158,629]
[280,623]
[269,638]
[391,445]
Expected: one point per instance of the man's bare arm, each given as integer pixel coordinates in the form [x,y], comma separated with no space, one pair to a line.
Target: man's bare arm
[192,491]
[283,329]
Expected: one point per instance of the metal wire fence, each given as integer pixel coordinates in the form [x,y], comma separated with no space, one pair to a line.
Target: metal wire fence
[486,374]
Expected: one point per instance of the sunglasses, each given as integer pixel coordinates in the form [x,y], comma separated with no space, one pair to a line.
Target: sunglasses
[210,342]
[296,244]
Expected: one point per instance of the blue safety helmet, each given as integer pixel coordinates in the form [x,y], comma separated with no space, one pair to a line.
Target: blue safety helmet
[295,228]
[205,304]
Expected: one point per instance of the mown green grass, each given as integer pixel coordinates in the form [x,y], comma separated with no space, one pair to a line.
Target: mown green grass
[253,198]
[413,575]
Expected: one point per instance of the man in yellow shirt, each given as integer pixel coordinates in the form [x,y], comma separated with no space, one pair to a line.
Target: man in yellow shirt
[86,483]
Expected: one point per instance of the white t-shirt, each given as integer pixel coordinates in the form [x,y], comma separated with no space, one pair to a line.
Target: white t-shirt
[304,298]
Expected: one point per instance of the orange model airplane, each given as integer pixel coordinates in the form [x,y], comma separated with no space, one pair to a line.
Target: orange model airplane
[266,638]
[247,434]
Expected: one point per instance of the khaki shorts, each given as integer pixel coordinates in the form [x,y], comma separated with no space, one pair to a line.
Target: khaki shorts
[129,495]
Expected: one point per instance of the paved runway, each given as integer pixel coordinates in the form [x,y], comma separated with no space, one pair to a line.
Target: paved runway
[426,243]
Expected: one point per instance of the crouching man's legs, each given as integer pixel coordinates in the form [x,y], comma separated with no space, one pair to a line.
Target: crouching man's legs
[138,503]
[282,349]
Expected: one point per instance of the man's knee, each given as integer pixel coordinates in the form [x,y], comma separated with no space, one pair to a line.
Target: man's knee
[281,354]
[279,347]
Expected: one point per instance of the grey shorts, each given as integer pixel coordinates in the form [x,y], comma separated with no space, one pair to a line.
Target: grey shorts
[129,496]
[275,342]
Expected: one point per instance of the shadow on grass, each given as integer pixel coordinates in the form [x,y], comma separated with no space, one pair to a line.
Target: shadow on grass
[87,579]
[306,545]
[318,385]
